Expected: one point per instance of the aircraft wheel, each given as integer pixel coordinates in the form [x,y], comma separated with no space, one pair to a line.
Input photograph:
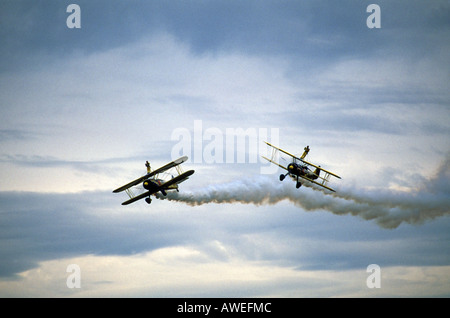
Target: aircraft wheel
[298,185]
[148,200]
[282,176]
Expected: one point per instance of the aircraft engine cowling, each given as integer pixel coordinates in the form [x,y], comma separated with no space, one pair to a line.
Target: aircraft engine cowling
[148,185]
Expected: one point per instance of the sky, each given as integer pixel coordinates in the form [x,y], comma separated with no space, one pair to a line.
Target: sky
[82,109]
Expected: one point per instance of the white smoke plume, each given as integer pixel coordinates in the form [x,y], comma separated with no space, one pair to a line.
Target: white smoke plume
[386,207]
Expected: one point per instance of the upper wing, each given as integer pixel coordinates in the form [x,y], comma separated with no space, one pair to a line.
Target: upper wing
[289,154]
[151,174]
[164,186]
[132,183]
[274,163]
[326,171]
[168,166]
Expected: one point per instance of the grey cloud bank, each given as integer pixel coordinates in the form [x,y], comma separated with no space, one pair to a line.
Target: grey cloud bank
[39,227]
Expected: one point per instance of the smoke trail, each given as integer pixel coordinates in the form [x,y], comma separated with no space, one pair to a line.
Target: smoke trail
[388,208]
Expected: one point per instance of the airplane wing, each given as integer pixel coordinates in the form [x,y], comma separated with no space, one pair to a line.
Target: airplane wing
[168,166]
[138,197]
[157,171]
[289,154]
[132,183]
[274,163]
[319,184]
[326,171]
[178,179]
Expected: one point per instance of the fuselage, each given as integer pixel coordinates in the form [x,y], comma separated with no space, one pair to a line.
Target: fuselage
[296,169]
[153,184]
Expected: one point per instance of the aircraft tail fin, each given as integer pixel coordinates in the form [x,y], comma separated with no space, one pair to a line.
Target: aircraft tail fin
[317,171]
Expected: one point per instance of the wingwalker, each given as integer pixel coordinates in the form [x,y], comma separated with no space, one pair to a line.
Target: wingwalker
[153,184]
[299,168]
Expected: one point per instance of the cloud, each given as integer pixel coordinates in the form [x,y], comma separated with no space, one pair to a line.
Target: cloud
[159,250]
[39,227]
[15,135]
[83,109]
[316,30]
[189,272]
[47,226]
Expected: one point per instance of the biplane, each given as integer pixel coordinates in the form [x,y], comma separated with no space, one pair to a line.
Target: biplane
[299,169]
[153,184]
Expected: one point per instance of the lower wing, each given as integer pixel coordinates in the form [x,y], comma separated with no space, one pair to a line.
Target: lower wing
[319,184]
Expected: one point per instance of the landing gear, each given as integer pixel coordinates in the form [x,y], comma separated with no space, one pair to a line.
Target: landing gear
[298,184]
[148,200]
